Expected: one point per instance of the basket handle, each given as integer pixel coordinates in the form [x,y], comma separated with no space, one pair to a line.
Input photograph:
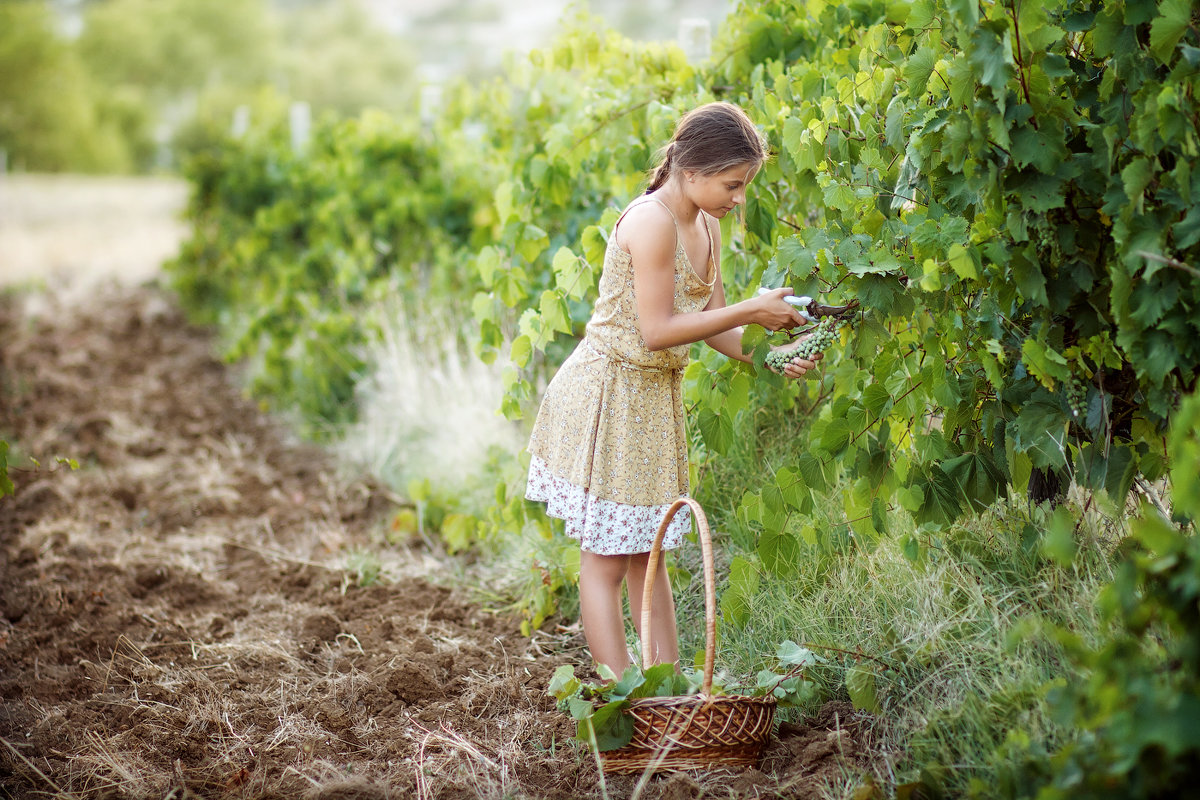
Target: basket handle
[710,592]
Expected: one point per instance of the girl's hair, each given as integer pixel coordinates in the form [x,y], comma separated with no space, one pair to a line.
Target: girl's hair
[710,139]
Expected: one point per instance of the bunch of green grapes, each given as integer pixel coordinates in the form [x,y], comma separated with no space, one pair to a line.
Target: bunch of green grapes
[1076,394]
[821,337]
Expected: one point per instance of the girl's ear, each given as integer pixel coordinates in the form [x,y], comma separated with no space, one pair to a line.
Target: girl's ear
[689,175]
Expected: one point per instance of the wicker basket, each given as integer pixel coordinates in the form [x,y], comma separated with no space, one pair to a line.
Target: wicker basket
[698,731]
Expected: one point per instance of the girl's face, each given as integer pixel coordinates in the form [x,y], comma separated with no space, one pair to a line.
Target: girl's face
[720,193]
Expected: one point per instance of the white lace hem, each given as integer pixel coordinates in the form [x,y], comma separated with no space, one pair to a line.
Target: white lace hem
[604,527]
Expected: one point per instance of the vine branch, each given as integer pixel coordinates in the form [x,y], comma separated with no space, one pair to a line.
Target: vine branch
[1170,262]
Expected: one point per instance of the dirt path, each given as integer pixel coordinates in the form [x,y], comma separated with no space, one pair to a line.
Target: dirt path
[170,621]
[176,621]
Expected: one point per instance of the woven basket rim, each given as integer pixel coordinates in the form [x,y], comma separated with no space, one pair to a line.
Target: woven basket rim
[701,700]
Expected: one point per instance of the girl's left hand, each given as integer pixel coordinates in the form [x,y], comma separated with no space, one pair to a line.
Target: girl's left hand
[798,367]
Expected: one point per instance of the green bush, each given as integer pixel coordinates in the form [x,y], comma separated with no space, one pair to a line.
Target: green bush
[1135,710]
[294,253]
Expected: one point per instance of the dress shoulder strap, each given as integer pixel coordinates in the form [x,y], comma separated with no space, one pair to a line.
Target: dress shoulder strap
[642,200]
[712,250]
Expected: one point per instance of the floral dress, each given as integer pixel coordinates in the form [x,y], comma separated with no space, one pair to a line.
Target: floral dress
[609,445]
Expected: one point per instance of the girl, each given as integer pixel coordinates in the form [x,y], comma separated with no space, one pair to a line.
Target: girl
[609,448]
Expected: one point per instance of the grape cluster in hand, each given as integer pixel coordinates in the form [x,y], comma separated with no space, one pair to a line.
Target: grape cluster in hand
[821,337]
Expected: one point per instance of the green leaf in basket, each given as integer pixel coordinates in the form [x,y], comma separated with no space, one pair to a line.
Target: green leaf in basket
[605,672]
[581,709]
[610,724]
[629,683]
[659,682]
[690,682]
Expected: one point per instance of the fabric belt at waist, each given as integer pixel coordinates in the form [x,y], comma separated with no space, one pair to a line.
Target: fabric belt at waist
[626,364]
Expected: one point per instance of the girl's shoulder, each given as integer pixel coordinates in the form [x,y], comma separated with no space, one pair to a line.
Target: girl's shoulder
[646,221]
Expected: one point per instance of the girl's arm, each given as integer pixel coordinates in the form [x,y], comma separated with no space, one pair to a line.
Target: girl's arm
[651,242]
[726,342]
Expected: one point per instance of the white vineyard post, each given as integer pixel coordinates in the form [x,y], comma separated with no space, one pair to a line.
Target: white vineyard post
[695,37]
[300,121]
[241,122]
[163,133]
[429,103]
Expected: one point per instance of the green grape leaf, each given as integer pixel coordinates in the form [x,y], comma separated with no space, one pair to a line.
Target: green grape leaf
[793,655]
[741,586]
[780,552]
[1121,469]
[835,436]
[1038,148]
[1058,543]
[737,399]
[554,312]
[1136,176]
[611,726]
[487,262]
[522,349]
[1040,431]
[879,516]
[1044,363]
[581,709]
[811,471]
[991,56]
[717,430]
[760,213]
[503,198]
[861,685]
[876,400]
[631,679]
[792,489]
[965,12]
[1183,444]
[563,683]
[658,681]
[793,136]
[978,476]
[939,492]
[1168,28]
[918,69]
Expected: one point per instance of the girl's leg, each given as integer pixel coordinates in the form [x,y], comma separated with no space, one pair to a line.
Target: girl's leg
[600,607]
[664,638]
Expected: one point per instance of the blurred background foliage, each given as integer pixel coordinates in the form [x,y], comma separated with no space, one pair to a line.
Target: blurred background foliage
[131,85]
[134,86]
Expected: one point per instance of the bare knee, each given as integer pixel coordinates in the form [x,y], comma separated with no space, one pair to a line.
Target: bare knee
[609,570]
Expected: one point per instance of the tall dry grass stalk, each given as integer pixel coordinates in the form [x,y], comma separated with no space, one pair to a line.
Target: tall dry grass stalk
[428,411]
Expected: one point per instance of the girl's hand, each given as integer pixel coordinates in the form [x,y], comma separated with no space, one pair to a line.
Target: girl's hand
[798,367]
[773,314]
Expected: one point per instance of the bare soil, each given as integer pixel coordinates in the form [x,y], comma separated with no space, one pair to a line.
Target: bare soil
[176,619]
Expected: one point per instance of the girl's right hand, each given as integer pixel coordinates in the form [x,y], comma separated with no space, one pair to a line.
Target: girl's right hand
[773,313]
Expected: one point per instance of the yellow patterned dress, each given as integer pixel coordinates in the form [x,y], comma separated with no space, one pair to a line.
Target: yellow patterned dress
[609,446]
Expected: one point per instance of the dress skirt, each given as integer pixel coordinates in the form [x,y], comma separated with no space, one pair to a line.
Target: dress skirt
[609,452]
